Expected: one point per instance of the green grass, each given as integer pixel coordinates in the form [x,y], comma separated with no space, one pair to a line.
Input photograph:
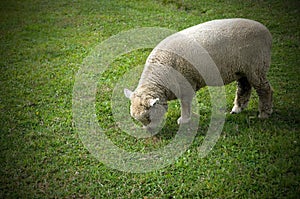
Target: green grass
[43,44]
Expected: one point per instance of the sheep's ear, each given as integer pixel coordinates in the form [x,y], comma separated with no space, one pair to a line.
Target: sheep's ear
[127,93]
[153,101]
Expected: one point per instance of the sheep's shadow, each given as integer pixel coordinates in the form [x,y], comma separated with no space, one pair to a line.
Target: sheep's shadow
[235,123]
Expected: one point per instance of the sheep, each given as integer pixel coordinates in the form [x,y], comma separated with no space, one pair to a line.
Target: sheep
[239,48]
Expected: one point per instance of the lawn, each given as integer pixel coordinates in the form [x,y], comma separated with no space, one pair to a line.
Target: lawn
[43,47]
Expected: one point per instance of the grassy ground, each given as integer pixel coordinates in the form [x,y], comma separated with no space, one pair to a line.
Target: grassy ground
[43,44]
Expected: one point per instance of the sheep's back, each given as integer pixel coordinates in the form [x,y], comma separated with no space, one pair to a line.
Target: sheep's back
[235,45]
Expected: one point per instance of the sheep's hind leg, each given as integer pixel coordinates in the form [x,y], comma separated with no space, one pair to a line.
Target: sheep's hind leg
[242,96]
[185,111]
[265,94]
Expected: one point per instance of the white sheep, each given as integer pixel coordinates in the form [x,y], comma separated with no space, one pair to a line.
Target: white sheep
[239,48]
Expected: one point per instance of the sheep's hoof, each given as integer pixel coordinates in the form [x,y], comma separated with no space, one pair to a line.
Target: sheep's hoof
[236,110]
[183,121]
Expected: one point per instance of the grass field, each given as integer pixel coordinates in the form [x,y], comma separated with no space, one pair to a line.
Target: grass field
[43,45]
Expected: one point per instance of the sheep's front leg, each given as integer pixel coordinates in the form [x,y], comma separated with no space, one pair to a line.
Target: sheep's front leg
[185,111]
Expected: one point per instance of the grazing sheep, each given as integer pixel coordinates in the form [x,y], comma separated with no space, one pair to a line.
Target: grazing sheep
[239,48]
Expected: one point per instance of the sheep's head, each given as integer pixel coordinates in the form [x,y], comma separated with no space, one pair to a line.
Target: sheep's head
[149,111]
